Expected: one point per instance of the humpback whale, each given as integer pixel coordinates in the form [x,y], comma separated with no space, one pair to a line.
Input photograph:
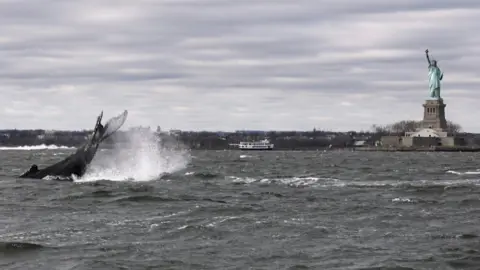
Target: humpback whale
[76,164]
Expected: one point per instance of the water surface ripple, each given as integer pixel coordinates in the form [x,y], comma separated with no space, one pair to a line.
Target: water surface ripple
[246,210]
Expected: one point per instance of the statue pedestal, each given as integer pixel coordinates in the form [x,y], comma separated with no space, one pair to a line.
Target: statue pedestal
[432,133]
[434,115]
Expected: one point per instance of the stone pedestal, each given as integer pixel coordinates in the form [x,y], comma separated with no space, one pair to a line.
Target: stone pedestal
[434,115]
[433,131]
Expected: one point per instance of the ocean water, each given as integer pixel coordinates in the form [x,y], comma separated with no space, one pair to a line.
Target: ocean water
[244,210]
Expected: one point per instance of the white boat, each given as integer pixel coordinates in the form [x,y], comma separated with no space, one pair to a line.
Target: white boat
[258,145]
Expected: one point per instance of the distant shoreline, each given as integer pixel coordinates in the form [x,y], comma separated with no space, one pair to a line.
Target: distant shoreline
[246,152]
[315,140]
[421,149]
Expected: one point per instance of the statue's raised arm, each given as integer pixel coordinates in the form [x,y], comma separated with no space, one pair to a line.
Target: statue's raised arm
[428,57]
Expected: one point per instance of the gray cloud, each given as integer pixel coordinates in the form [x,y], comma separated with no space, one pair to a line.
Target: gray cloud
[225,65]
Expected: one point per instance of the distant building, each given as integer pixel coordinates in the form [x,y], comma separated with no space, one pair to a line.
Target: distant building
[174,132]
[251,132]
[140,128]
[359,143]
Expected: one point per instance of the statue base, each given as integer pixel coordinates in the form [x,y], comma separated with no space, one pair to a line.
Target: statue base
[434,115]
[432,133]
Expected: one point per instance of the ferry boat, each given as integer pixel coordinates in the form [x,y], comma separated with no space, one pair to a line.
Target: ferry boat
[258,145]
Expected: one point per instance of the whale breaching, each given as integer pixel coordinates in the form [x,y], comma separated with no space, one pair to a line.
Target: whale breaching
[76,164]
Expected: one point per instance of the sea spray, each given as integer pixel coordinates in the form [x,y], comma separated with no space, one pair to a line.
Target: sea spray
[35,147]
[139,156]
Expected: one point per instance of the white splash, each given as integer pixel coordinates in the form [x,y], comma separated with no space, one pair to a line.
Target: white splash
[400,199]
[140,158]
[463,173]
[35,147]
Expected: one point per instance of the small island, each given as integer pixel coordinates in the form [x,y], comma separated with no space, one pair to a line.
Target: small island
[432,133]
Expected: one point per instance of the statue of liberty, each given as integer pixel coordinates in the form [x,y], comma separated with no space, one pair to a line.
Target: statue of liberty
[435,75]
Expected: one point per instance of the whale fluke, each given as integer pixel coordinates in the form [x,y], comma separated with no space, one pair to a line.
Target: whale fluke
[76,164]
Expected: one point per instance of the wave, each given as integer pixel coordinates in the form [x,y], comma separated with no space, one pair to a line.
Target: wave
[464,173]
[145,198]
[35,147]
[18,246]
[325,182]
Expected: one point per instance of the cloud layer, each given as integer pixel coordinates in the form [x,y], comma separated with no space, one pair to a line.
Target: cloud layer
[227,65]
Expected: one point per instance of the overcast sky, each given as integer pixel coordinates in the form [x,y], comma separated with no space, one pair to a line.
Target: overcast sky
[227,65]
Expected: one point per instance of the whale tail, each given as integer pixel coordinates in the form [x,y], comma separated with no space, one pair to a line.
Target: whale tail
[114,124]
[77,162]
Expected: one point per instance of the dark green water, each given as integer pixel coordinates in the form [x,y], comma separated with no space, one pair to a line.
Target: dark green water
[237,210]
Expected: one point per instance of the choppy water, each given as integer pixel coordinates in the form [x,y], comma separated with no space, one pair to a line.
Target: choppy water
[235,210]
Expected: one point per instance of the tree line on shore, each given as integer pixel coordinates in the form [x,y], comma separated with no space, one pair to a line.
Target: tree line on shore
[190,139]
[288,140]
[403,126]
